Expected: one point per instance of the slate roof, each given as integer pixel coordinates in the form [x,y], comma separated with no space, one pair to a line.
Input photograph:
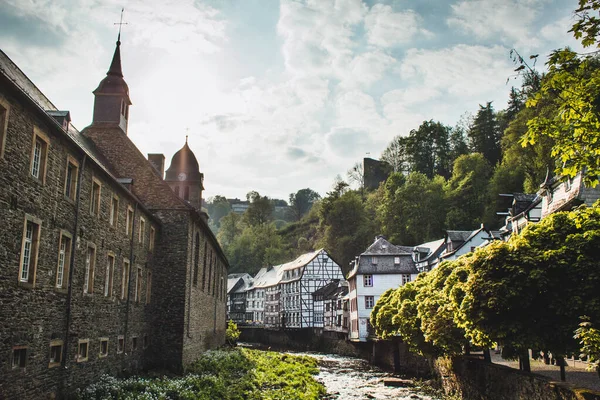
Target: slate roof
[239,282]
[432,249]
[270,277]
[382,247]
[300,261]
[522,201]
[386,253]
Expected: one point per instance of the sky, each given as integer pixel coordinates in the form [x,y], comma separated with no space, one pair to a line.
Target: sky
[277,96]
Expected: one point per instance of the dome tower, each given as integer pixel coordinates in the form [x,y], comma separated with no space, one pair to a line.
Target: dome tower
[184,176]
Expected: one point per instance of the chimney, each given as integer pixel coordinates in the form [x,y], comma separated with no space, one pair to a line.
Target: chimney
[158,162]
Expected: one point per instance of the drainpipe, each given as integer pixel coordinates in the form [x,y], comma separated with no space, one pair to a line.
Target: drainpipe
[72,264]
[131,266]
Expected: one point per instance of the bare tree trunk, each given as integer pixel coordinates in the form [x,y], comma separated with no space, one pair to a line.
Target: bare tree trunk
[560,360]
[524,361]
[487,357]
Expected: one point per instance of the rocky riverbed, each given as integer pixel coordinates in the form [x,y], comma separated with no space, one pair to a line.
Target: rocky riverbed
[350,378]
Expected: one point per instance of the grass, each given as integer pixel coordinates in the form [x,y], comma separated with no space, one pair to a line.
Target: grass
[231,374]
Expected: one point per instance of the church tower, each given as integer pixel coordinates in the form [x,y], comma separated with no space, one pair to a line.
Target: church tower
[111,97]
[184,177]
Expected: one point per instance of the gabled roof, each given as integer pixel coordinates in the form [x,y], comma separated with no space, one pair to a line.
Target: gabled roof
[382,247]
[458,236]
[462,243]
[301,261]
[270,277]
[239,282]
[431,249]
[328,289]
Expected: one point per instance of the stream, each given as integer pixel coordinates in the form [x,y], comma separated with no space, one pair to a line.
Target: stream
[348,378]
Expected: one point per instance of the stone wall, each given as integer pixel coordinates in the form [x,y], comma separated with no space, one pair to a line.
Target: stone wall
[471,378]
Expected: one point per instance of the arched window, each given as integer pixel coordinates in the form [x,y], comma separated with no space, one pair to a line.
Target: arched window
[186,193]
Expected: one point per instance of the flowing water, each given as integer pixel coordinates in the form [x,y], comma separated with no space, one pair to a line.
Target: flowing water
[349,378]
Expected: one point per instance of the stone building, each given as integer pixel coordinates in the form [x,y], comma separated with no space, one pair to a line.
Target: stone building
[104,267]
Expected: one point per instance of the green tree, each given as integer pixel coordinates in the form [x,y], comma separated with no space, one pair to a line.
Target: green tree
[587,26]
[485,135]
[466,191]
[573,83]
[428,149]
[231,227]
[396,154]
[260,210]
[412,209]
[302,201]
[218,207]
[345,224]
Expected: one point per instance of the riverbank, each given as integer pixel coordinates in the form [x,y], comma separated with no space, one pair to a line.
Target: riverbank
[230,374]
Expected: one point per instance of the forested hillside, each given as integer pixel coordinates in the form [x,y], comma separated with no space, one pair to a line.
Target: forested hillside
[442,177]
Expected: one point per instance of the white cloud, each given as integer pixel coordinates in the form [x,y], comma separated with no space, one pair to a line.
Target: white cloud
[510,21]
[386,28]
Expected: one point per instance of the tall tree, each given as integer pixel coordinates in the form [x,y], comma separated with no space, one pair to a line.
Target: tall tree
[428,149]
[218,207]
[396,155]
[485,135]
[466,191]
[260,210]
[302,201]
[412,210]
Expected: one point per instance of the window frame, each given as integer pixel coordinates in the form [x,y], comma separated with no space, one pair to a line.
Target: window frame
[43,160]
[368,280]
[100,354]
[372,298]
[139,276]
[129,216]
[19,349]
[4,113]
[87,351]
[93,210]
[66,266]
[109,277]
[142,231]
[113,217]
[125,278]
[406,278]
[152,240]
[134,343]
[71,183]
[90,269]
[33,251]
[120,344]
[148,286]
[55,343]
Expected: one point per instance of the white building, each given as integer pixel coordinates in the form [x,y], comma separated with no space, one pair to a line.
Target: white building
[255,299]
[381,267]
[299,280]
[463,242]
[268,283]
[237,287]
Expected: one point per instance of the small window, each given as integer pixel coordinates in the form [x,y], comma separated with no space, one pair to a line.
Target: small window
[138,284]
[186,193]
[129,222]
[397,259]
[153,239]
[134,343]
[405,279]
[95,200]
[64,260]
[19,357]
[90,264]
[114,211]
[103,347]
[39,155]
[4,111]
[368,280]
[146,341]
[148,287]
[71,176]
[29,250]
[374,260]
[125,279]
[109,276]
[56,351]
[120,344]
[142,232]
[369,301]
[83,348]
[568,184]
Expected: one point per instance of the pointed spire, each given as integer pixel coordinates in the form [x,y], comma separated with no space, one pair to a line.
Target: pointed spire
[115,65]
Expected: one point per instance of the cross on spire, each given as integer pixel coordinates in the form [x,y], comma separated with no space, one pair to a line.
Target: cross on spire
[187,131]
[120,23]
